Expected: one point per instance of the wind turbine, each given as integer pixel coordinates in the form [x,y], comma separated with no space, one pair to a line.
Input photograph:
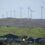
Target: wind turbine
[6,14]
[30,14]
[14,13]
[30,11]
[42,21]
[20,12]
[10,13]
[41,12]
[2,15]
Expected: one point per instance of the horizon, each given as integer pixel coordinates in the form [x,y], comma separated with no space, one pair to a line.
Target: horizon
[19,18]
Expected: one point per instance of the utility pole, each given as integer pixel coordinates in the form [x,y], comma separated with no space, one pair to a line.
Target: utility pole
[31,11]
[28,15]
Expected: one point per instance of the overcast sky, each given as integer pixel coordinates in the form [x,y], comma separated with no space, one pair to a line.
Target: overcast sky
[19,8]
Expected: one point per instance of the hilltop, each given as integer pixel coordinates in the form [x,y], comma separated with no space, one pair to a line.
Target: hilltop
[24,22]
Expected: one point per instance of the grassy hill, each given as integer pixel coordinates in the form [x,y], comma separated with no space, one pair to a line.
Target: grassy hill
[22,22]
[32,32]
[33,28]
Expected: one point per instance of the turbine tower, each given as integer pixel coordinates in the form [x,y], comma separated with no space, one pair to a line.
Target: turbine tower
[42,21]
[14,13]
[30,11]
[6,14]
[41,12]
[20,12]
[10,13]
[2,15]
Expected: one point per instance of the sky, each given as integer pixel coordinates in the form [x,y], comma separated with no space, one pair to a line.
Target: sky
[19,8]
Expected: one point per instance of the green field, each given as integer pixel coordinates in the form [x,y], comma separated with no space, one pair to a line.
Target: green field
[20,31]
[31,32]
